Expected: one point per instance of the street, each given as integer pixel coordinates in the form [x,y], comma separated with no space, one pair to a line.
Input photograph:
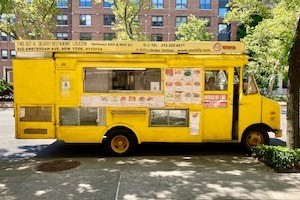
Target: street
[217,171]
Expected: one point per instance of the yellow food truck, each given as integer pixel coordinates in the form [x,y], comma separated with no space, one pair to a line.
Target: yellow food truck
[123,94]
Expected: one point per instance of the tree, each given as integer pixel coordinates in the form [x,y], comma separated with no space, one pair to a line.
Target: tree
[193,30]
[293,132]
[269,46]
[127,25]
[23,19]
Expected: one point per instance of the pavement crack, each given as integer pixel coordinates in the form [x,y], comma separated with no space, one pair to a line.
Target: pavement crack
[156,189]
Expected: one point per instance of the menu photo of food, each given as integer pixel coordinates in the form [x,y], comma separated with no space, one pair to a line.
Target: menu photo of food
[178,85]
[187,97]
[169,86]
[178,74]
[178,97]
[187,85]
[169,97]
[103,100]
[142,101]
[169,74]
[196,73]
[196,98]
[196,86]
[113,100]
[187,74]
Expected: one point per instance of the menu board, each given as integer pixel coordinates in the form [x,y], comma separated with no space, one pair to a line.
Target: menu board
[122,101]
[183,85]
[215,101]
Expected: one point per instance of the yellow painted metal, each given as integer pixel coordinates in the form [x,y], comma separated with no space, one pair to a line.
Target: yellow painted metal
[58,82]
[271,115]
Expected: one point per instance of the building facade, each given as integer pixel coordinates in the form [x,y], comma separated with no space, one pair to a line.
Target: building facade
[86,20]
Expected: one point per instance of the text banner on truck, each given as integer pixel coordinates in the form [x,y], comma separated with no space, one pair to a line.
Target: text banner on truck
[129,47]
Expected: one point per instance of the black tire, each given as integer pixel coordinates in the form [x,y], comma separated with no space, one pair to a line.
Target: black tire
[119,142]
[254,137]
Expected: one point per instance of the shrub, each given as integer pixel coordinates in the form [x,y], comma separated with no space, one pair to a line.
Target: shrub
[278,157]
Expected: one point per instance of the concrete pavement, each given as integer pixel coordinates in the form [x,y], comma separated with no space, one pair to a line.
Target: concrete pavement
[219,171]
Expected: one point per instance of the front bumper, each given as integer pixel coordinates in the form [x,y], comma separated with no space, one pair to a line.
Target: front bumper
[278,133]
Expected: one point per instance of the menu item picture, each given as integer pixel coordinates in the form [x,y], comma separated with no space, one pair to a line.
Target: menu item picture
[122,99]
[178,71]
[188,94]
[197,72]
[169,84]
[197,83]
[142,98]
[187,72]
[178,83]
[169,72]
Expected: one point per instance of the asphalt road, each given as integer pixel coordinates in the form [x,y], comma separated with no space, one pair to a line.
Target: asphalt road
[215,171]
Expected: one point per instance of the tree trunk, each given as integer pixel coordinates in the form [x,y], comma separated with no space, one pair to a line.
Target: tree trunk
[293,138]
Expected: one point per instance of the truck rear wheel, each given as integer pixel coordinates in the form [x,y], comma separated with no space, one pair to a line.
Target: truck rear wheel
[254,137]
[119,143]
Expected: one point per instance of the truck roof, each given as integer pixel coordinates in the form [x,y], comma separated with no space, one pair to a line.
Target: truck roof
[46,48]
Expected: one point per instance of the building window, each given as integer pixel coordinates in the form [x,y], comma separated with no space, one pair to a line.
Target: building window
[12,54]
[4,54]
[109,20]
[179,20]
[181,4]
[168,117]
[62,3]
[8,74]
[157,4]
[156,37]
[85,3]
[85,36]
[62,36]
[108,3]
[85,20]
[223,32]
[62,19]
[208,19]
[157,21]
[3,36]
[109,36]
[205,4]
[223,9]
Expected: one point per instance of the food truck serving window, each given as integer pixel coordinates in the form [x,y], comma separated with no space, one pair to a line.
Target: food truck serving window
[103,80]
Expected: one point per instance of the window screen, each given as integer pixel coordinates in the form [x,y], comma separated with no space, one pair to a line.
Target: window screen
[35,114]
[172,117]
[78,116]
[100,80]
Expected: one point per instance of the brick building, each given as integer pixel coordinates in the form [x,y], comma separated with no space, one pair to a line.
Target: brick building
[85,20]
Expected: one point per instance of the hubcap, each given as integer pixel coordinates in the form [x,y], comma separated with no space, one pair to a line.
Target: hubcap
[120,144]
[254,139]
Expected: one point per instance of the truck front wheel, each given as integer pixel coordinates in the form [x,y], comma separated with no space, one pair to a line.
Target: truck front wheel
[254,137]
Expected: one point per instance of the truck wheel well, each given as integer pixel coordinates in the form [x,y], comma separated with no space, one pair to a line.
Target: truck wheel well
[255,126]
[128,130]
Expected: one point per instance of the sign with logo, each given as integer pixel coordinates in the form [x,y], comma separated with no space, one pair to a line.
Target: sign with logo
[116,47]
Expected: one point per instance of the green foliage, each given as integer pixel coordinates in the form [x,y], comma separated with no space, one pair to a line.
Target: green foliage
[126,13]
[278,157]
[268,42]
[194,30]
[5,87]
[34,18]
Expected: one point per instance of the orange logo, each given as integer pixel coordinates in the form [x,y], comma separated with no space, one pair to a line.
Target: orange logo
[217,47]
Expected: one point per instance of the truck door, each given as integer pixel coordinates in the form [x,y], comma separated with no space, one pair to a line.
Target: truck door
[217,104]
